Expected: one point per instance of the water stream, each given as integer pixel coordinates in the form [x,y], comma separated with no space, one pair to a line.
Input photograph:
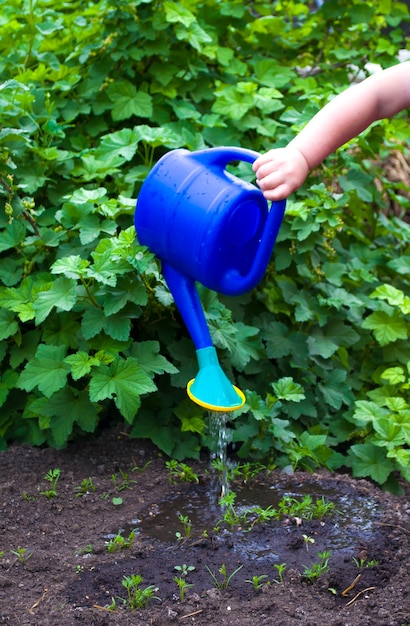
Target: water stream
[221,436]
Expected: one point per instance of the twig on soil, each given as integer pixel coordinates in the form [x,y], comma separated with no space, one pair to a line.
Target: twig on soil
[394,526]
[102,608]
[358,595]
[191,614]
[350,587]
[35,605]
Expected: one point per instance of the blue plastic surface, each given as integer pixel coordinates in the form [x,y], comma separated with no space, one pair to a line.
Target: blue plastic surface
[209,226]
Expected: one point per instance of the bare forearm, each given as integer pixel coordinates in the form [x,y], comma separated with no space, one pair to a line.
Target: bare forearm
[352,111]
[281,171]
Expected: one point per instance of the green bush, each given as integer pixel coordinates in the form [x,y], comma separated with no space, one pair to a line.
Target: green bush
[93,93]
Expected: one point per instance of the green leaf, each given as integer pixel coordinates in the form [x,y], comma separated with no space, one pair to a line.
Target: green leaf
[286,389]
[122,143]
[7,381]
[47,371]
[387,328]
[124,381]
[391,434]
[149,359]
[394,375]
[8,324]
[116,299]
[117,326]
[176,13]
[366,412]
[12,235]
[233,102]
[370,460]
[11,271]
[62,295]
[394,296]
[245,346]
[81,364]
[72,266]
[128,101]
[335,390]
[63,410]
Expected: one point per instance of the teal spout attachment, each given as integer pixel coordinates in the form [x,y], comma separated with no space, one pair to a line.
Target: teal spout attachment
[211,388]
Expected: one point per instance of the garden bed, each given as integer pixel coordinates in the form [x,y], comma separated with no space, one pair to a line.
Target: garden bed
[115,514]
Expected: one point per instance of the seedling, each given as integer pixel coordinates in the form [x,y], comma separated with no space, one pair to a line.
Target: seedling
[142,469]
[230,515]
[308,540]
[88,549]
[224,583]
[86,486]
[138,597]
[256,581]
[112,606]
[187,526]
[263,515]
[123,481]
[28,498]
[120,543]
[306,508]
[183,586]
[184,569]
[22,555]
[317,569]
[281,570]
[52,477]
[362,563]
[181,472]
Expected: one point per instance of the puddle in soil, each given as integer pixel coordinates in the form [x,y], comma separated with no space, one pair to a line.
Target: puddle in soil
[353,522]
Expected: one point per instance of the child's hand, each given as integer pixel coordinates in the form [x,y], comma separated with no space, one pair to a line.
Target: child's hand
[280,172]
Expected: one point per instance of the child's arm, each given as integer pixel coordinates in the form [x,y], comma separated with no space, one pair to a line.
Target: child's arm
[281,171]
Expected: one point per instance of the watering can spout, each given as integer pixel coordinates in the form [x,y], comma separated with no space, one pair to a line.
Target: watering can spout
[211,227]
[210,388]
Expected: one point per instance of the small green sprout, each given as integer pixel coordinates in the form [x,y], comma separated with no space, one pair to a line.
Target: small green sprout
[120,543]
[86,486]
[281,570]
[256,581]
[123,481]
[52,477]
[184,569]
[317,569]
[224,583]
[138,597]
[88,549]
[181,472]
[231,516]
[183,586]
[22,554]
[307,539]
[187,526]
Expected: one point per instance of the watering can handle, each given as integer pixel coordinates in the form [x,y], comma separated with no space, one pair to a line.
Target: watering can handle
[225,154]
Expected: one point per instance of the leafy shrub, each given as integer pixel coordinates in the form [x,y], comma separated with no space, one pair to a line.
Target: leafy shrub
[92,95]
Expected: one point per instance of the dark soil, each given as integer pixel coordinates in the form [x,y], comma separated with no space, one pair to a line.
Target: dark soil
[56,570]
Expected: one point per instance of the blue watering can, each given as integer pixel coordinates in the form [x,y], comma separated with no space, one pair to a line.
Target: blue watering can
[209,226]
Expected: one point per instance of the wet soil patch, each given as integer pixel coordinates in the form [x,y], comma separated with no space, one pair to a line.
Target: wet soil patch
[55,567]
